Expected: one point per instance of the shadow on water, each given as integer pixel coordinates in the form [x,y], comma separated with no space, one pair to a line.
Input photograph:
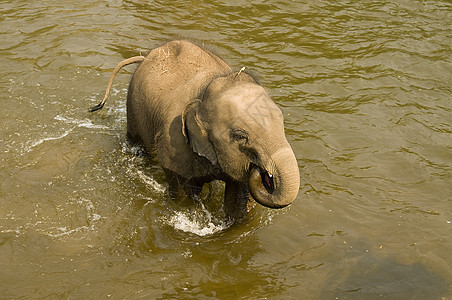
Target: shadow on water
[363,274]
[387,279]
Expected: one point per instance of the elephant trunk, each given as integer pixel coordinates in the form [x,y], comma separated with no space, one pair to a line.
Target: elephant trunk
[277,187]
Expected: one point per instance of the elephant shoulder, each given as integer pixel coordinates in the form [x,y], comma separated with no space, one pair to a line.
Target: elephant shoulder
[183,162]
[175,154]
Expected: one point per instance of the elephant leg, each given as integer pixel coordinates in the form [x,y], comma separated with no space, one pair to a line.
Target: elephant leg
[133,136]
[194,188]
[237,200]
[133,140]
[179,187]
[175,189]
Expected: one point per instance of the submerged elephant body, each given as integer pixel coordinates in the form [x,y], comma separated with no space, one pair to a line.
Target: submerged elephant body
[205,122]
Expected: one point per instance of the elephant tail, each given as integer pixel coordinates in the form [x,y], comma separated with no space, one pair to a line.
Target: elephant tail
[123,63]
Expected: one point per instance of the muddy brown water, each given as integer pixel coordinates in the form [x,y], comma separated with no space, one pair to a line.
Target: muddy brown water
[365,87]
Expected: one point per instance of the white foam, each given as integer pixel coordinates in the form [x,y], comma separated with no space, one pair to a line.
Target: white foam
[86,123]
[150,181]
[198,221]
[78,123]
[51,138]
[91,216]
[63,231]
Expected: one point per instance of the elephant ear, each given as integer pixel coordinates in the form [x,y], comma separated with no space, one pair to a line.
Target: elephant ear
[195,133]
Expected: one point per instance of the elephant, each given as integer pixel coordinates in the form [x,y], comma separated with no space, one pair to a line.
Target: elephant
[204,122]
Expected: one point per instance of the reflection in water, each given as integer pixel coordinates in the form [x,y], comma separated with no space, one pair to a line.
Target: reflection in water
[365,90]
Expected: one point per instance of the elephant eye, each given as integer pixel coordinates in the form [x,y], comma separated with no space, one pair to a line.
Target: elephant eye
[239,135]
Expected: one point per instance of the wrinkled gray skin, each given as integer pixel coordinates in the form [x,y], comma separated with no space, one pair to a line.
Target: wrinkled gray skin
[205,122]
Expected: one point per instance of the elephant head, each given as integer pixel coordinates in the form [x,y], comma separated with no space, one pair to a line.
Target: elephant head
[239,128]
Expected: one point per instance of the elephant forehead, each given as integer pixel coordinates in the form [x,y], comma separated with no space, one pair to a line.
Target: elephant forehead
[262,111]
[249,102]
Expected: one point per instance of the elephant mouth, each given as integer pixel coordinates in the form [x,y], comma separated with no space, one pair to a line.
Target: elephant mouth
[266,179]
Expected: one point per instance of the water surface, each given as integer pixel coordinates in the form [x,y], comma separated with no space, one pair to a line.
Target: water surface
[365,87]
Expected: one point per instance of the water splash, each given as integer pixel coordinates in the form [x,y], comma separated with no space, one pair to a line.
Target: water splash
[32,144]
[90,221]
[198,221]
[86,123]
[150,182]
[73,122]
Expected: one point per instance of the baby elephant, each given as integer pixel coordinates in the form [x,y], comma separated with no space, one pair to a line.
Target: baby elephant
[205,122]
